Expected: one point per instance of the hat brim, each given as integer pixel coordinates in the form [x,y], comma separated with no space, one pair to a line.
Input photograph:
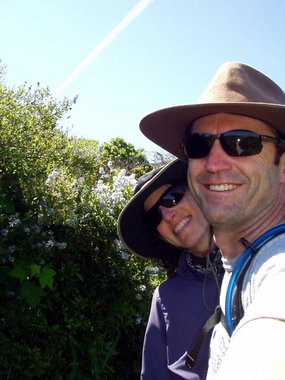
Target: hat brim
[133,230]
[167,127]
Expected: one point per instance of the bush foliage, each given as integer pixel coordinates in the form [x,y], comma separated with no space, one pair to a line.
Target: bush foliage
[74,303]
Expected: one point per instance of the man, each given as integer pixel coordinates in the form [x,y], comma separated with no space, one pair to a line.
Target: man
[234,141]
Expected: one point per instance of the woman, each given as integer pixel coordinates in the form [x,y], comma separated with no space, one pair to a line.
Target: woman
[163,222]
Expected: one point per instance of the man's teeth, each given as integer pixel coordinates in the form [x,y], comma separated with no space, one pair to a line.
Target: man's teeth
[181,225]
[224,187]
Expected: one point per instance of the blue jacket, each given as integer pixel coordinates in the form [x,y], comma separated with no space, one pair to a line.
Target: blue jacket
[180,307]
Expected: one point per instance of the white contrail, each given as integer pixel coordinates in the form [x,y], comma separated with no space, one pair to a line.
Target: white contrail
[135,12]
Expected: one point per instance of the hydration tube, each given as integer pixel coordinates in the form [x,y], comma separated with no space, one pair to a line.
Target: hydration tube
[241,263]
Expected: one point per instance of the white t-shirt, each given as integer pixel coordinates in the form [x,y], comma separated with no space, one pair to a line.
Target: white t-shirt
[256,349]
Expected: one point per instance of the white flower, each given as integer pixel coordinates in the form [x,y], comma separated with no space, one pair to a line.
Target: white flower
[71,222]
[27,230]
[101,171]
[11,249]
[50,212]
[14,222]
[138,320]
[142,288]
[124,255]
[4,232]
[61,246]
[49,244]
[79,182]
[85,217]
[51,178]
[111,196]
[152,270]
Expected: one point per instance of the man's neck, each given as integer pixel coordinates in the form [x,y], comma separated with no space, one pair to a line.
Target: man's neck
[230,241]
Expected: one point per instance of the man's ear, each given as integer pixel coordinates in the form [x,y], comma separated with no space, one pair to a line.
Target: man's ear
[282,168]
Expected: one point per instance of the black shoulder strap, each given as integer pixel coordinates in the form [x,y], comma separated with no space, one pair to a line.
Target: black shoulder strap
[218,316]
[208,325]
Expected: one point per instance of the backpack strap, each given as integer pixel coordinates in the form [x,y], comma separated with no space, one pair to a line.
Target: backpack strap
[215,318]
[233,300]
[237,307]
[233,305]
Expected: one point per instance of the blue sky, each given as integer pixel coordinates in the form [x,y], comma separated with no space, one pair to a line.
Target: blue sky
[164,56]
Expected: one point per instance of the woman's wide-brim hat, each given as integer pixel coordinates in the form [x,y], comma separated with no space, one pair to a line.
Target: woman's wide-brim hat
[133,229]
[237,89]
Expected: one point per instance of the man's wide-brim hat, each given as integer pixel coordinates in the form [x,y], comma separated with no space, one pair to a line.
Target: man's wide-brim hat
[133,229]
[237,89]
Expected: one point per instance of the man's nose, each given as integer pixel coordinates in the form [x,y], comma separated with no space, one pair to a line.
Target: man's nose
[217,158]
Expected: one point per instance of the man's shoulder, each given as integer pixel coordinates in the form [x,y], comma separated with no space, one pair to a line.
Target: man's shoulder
[271,251]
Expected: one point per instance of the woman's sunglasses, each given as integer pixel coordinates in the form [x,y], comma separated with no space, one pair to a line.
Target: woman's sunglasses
[236,143]
[170,198]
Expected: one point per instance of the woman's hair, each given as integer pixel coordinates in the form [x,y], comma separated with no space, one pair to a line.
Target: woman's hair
[167,255]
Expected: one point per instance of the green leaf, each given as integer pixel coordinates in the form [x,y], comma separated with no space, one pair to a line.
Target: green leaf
[19,271]
[7,205]
[47,277]
[35,270]
[32,293]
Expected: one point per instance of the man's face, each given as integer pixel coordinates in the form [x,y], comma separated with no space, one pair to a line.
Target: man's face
[235,190]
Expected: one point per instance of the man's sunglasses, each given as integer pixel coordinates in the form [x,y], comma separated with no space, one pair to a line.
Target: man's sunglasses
[236,143]
[170,198]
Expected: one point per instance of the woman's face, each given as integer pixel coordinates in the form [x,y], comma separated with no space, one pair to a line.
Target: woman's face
[182,225]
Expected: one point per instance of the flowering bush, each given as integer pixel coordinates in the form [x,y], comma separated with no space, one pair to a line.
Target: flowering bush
[74,301]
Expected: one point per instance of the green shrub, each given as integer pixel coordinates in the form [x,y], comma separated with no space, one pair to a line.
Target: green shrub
[74,303]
